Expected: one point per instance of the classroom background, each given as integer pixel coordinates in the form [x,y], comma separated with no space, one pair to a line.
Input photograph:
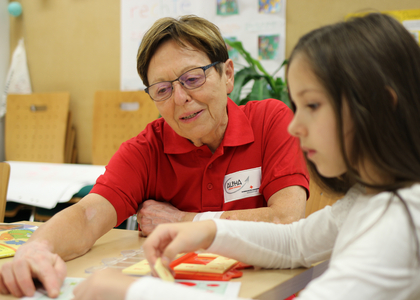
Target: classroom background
[75,46]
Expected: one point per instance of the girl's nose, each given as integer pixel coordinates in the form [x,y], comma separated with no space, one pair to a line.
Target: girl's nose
[296,127]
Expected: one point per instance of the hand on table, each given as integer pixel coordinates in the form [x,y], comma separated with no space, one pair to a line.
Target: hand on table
[167,240]
[32,260]
[151,213]
[105,284]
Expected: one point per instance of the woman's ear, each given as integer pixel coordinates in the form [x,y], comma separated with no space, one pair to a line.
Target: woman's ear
[230,75]
[393,95]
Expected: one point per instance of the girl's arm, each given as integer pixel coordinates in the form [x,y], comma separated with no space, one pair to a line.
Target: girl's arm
[269,245]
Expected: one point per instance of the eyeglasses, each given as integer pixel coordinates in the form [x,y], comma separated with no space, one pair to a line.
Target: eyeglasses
[190,80]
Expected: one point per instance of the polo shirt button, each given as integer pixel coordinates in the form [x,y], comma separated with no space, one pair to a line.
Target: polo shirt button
[199,151]
[210,166]
[209,186]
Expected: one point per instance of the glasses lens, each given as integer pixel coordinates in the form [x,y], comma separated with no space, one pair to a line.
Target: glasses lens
[193,78]
[160,91]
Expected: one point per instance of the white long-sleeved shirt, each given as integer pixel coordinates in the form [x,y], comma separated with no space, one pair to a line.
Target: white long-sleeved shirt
[368,239]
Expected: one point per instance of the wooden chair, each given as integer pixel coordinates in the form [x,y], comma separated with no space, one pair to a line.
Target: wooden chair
[319,198]
[117,117]
[4,183]
[37,128]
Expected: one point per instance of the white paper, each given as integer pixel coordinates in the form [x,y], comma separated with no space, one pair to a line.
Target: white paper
[17,80]
[66,291]
[225,288]
[46,184]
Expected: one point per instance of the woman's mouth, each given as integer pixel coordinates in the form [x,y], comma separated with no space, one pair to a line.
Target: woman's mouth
[191,117]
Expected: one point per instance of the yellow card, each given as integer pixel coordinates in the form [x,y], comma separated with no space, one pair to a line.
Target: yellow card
[140,268]
[163,272]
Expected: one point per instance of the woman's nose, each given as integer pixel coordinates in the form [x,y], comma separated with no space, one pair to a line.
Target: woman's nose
[180,94]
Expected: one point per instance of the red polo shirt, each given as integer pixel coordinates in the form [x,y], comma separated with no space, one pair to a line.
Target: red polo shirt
[256,158]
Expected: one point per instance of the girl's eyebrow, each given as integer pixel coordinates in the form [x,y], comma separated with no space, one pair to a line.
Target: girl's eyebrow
[304,91]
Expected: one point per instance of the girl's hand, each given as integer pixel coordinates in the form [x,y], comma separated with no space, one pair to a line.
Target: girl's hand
[108,284]
[167,240]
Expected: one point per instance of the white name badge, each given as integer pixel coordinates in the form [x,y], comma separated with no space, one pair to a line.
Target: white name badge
[242,184]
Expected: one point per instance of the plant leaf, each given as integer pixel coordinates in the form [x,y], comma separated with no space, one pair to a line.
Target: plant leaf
[260,90]
[242,77]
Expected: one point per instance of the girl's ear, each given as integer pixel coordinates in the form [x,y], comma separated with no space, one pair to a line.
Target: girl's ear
[393,94]
[230,75]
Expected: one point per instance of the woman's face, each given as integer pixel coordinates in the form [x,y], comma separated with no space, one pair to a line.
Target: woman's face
[200,114]
[314,122]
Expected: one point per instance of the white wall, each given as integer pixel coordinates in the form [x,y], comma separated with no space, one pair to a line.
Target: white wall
[4,60]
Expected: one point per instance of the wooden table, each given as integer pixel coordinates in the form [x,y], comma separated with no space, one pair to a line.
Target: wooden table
[261,284]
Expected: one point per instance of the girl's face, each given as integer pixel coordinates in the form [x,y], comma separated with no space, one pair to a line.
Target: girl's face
[314,122]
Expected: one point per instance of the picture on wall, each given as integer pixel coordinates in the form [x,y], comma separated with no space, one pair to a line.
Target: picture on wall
[227,7]
[269,6]
[268,46]
[233,53]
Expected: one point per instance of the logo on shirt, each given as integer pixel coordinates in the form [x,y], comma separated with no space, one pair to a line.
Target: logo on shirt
[242,184]
[234,186]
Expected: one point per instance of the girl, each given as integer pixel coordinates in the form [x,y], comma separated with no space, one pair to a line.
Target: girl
[355,88]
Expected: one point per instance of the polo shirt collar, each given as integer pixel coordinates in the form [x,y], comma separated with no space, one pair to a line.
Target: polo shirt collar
[238,132]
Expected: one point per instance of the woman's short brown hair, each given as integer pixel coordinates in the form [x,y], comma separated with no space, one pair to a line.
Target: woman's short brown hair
[191,30]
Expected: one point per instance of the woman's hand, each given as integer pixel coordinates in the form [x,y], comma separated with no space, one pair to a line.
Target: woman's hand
[105,284]
[32,260]
[167,240]
[151,213]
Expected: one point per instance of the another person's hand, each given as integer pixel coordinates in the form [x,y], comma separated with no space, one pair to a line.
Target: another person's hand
[167,240]
[33,260]
[105,284]
[151,213]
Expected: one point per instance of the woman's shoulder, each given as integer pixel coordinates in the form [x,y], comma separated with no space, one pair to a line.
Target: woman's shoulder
[266,103]
[265,108]
[153,132]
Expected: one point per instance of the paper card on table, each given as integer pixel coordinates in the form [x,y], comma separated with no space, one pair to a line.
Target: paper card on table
[228,289]
[66,291]
[163,272]
[140,268]
[12,236]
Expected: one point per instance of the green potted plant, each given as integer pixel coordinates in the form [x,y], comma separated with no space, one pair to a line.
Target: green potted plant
[265,85]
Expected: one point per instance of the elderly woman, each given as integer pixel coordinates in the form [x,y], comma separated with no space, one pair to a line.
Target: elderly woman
[205,154]
[205,158]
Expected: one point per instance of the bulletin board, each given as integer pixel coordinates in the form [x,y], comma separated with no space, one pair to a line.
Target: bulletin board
[259,25]
[75,46]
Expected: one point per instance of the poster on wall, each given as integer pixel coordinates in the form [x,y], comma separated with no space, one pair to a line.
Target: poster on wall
[259,24]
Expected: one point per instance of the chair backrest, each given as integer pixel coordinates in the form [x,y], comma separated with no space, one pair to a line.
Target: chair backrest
[319,198]
[36,127]
[4,183]
[117,117]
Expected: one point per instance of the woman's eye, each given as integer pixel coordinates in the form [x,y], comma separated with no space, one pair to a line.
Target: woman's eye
[162,90]
[191,80]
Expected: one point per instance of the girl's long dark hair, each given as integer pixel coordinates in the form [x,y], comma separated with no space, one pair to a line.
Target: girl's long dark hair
[372,63]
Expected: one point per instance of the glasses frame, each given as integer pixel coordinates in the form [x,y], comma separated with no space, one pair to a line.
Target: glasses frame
[172,81]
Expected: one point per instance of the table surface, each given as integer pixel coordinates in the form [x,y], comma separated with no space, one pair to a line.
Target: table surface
[262,284]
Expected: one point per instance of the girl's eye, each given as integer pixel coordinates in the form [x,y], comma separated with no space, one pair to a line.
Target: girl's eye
[313,106]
